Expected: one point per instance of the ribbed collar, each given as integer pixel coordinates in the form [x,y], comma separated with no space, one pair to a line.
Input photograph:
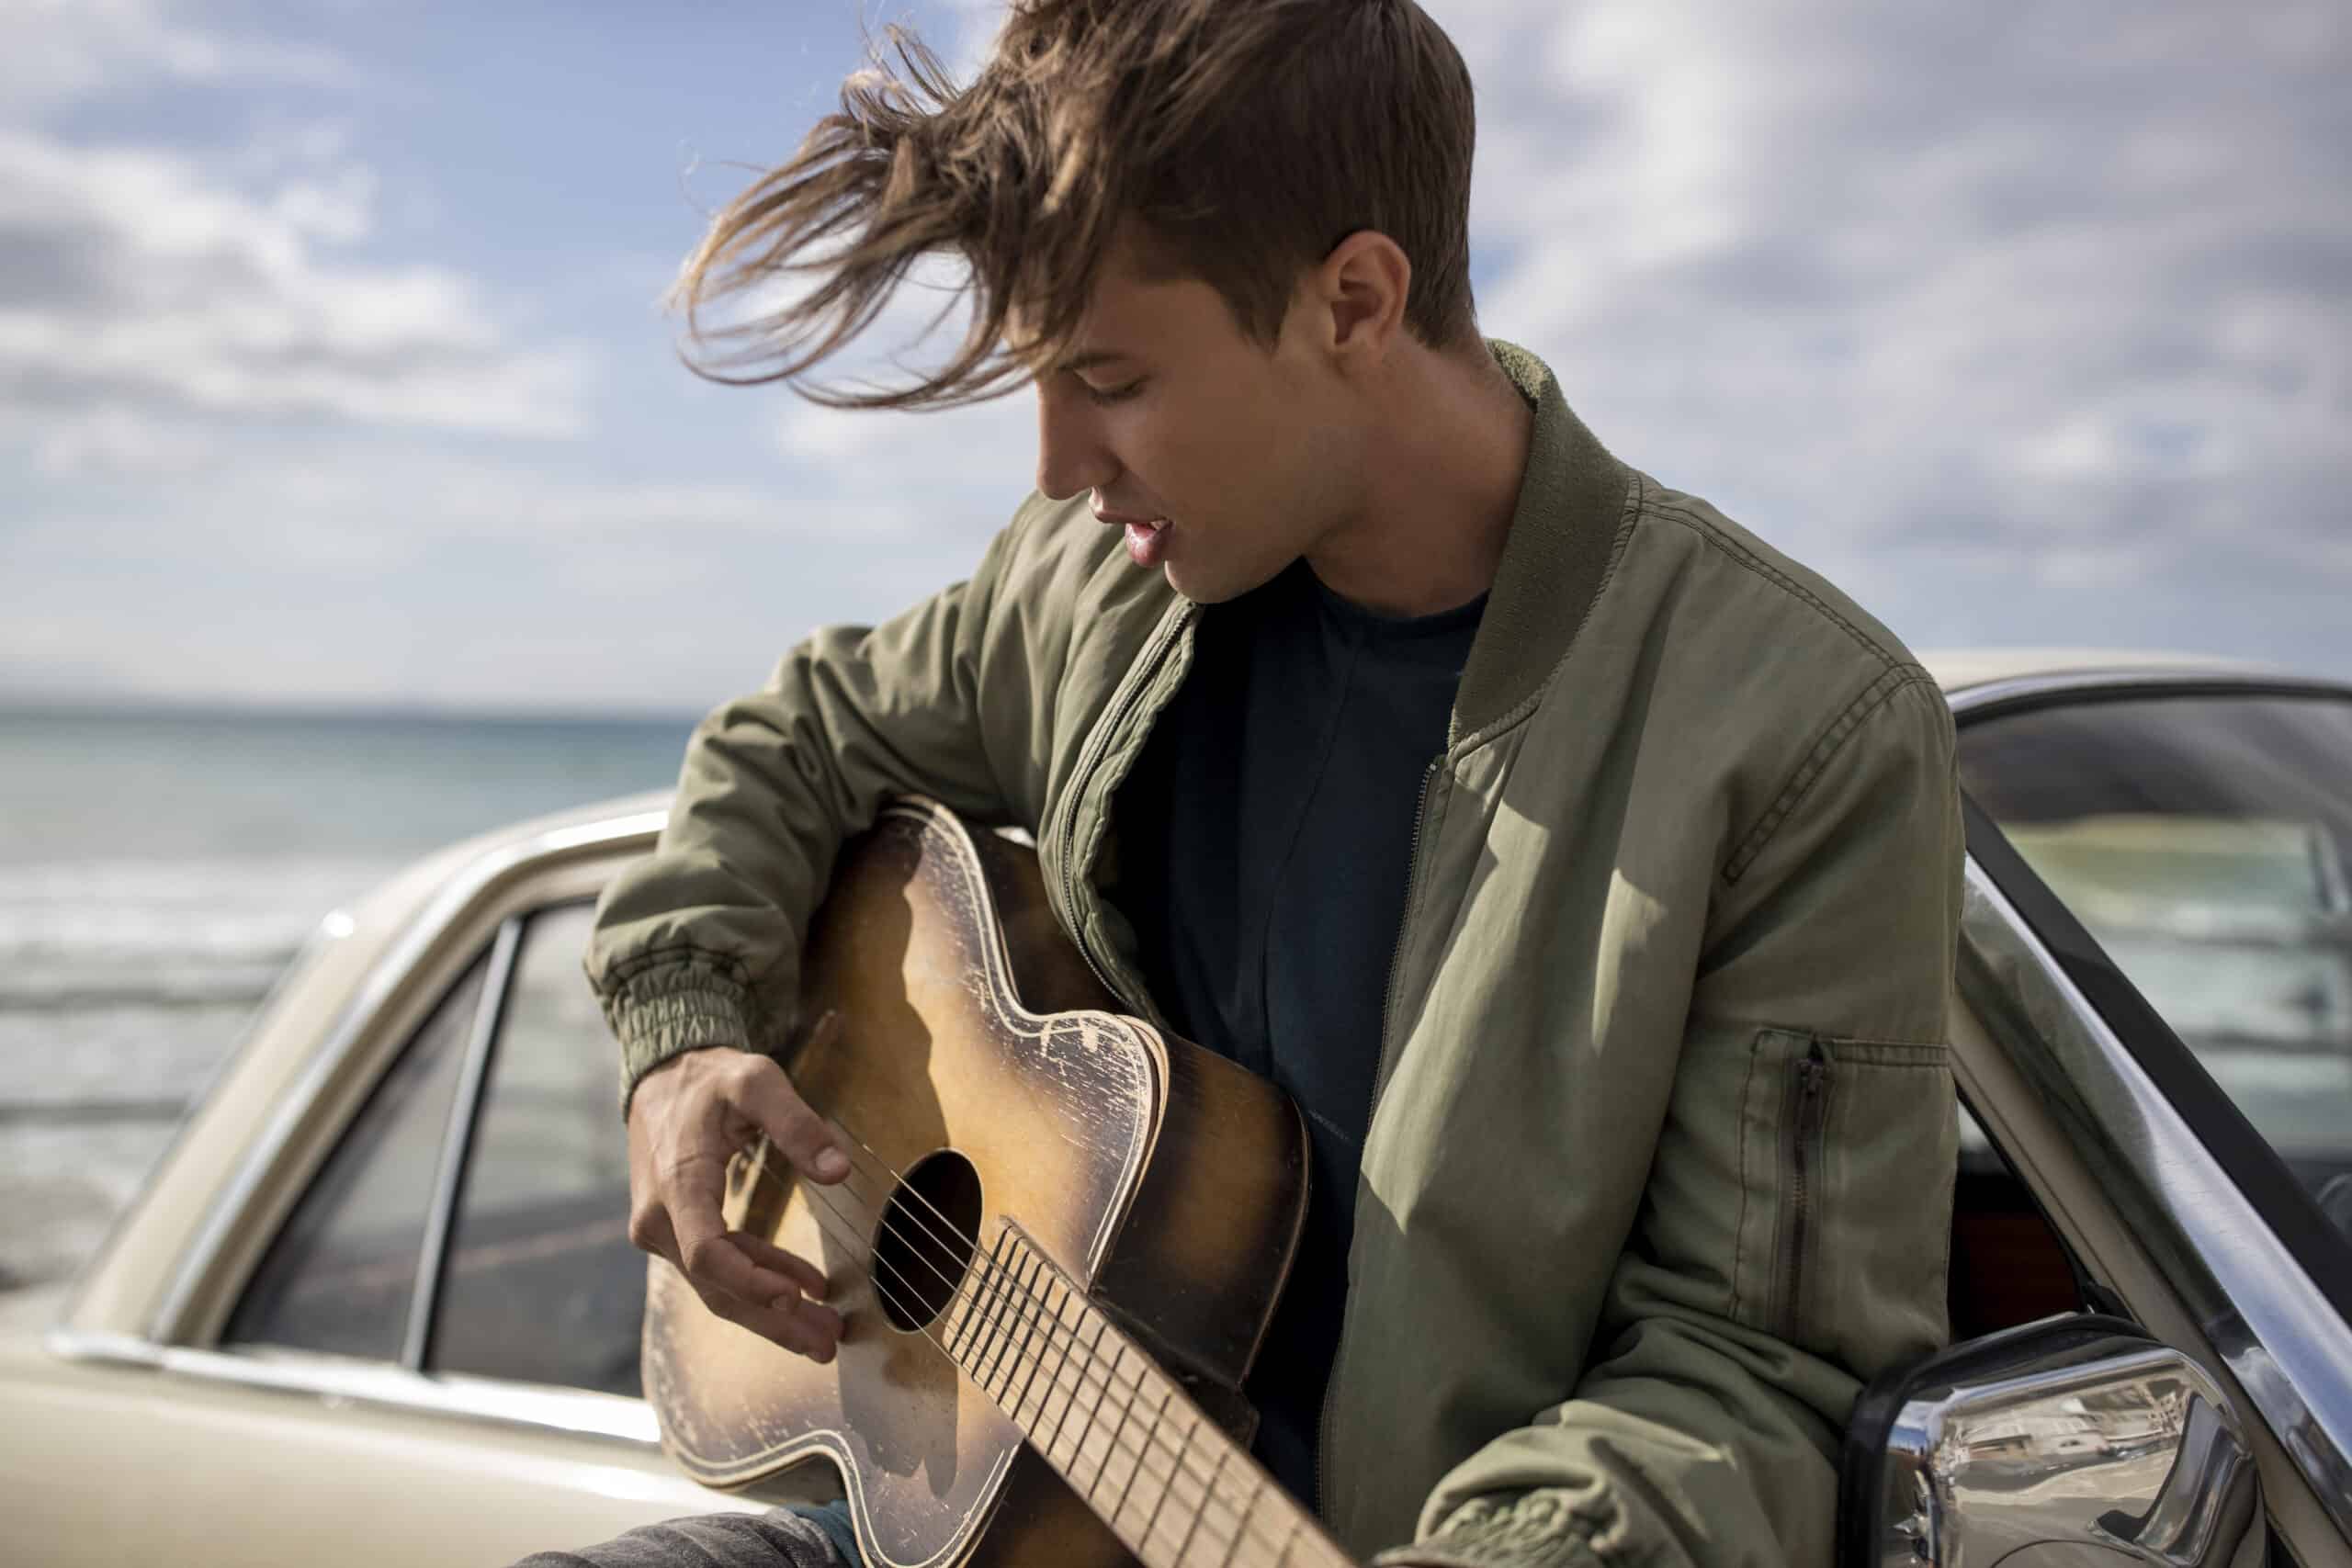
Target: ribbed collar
[1571,501]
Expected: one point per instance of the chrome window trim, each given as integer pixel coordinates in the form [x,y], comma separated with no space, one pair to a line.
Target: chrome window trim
[478,879]
[380,1384]
[440,1217]
[2260,1310]
[1974,704]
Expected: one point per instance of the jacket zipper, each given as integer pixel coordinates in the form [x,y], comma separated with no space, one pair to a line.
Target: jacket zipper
[1089,759]
[1801,1156]
[1379,1083]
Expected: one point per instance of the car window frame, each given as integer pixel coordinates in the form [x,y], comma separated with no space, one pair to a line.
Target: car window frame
[2258,1169]
[540,865]
[459,1138]
[487,1050]
[2104,1054]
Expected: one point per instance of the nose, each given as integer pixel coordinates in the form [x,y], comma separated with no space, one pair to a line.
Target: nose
[1071,457]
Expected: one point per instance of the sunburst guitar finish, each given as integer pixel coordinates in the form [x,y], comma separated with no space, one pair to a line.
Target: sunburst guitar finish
[1055,1259]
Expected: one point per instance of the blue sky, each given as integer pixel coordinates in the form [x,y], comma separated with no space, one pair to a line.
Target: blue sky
[332,371]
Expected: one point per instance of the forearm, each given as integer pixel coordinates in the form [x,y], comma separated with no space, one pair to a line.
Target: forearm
[699,943]
[1694,1446]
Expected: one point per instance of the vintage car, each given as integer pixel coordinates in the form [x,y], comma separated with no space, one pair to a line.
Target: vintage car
[376,1305]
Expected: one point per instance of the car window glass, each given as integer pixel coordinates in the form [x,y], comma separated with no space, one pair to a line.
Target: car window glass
[341,1274]
[2203,840]
[541,1283]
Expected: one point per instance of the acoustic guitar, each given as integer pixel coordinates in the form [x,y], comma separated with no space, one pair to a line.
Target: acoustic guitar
[1056,1254]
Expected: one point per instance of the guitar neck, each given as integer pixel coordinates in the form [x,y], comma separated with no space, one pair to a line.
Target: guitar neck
[1171,1484]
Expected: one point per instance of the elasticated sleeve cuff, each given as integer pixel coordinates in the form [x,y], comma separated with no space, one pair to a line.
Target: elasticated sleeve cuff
[684,1004]
[1541,1529]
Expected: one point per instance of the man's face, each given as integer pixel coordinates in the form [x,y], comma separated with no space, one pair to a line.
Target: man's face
[1223,462]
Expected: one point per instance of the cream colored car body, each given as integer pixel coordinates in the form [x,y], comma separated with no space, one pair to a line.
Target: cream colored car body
[128,1436]
[131,1434]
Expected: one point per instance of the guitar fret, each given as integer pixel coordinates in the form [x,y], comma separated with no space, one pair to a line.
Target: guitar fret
[1135,1464]
[1111,1446]
[957,1341]
[1241,1525]
[1025,1303]
[1043,1340]
[1167,1486]
[1068,1334]
[1004,1313]
[1079,1445]
[1209,1493]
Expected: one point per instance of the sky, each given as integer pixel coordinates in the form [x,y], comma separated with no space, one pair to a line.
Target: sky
[333,370]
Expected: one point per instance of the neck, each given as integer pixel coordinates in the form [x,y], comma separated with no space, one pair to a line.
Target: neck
[1172,1486]
[1441,465]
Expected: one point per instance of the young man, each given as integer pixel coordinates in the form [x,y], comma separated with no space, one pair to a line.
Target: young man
[1587,870]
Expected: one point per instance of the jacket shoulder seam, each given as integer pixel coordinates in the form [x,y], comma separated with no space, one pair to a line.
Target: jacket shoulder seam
[1740,556]
[1895,677]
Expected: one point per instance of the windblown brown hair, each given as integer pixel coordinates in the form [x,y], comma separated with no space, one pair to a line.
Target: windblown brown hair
[1245,137]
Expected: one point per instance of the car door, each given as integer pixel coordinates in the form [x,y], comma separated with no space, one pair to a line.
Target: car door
[2157,964]
[435,1359]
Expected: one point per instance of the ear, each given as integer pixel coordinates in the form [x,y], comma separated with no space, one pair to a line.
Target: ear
[1361,286]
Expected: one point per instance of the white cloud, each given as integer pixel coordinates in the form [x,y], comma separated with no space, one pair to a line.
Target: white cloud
[118,441]
[2068,280]
[63,52]
[2023,325]
[145,280]
[410,573]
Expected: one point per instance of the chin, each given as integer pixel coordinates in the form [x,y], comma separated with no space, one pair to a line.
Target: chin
[1214,588]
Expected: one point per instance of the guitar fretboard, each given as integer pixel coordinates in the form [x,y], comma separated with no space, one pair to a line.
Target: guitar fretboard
[1171,1484]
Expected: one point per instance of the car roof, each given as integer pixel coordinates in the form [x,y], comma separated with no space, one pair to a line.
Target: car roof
[1960,669]
[1956,670]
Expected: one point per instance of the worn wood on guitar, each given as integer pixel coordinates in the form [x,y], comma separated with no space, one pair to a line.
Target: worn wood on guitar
[1056,1254]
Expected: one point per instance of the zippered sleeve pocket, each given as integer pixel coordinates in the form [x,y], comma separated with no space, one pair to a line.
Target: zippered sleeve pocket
[1847,1151]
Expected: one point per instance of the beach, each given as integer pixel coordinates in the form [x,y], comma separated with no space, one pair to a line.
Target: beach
[159,868]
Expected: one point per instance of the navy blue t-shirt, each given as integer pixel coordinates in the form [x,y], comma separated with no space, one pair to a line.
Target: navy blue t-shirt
[1265,838]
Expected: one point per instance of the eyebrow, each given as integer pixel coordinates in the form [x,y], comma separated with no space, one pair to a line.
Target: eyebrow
[1092,358]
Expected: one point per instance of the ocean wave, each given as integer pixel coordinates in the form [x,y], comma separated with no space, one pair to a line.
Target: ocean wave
[48,991]
[102,933]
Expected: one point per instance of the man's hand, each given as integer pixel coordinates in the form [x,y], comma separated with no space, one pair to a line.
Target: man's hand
[686,1120]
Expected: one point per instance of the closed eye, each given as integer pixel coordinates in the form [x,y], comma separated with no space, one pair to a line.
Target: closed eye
[1104,396]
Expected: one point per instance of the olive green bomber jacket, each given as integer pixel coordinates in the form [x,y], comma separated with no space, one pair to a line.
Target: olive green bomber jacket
[1661,1157]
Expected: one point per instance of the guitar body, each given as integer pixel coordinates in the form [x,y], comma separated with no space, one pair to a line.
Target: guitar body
[998,1100]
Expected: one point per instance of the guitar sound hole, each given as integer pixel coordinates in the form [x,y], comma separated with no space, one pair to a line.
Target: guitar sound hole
[925,1244]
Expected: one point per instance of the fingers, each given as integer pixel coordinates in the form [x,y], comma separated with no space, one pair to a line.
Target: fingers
[765,1097]
[805,1327]
[685,1125]
[707,1251]
[752,1281]
[810,1279]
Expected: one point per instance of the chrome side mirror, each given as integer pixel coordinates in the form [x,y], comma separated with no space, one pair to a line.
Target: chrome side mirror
[2076,1440]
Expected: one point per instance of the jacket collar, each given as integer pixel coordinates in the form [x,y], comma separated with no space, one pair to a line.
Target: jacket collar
[1572,501]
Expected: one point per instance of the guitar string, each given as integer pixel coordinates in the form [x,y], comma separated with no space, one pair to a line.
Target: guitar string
[1088,1359]
[1018,1296]
[1230,1541]
[1256,1543]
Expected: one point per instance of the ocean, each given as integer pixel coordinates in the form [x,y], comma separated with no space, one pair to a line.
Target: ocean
[159,869]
